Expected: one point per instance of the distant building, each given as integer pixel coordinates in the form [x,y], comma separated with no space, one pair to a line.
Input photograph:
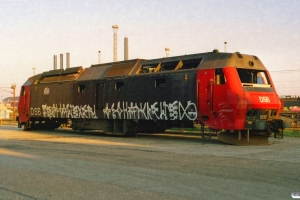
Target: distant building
[4,112]
[9,102]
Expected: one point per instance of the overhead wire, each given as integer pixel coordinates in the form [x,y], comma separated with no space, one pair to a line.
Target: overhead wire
[285,71]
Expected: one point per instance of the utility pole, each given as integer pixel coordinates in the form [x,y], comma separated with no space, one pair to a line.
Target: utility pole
[13,87]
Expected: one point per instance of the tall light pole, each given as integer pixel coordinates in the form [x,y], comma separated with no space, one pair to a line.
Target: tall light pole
[115,53]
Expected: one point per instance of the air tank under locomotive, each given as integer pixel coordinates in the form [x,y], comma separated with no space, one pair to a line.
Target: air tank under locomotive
[229,92]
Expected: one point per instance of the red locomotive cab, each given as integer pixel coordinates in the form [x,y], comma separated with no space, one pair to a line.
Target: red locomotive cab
[221,101]
[260,91]
[263,101]
[24,105]
[231,97]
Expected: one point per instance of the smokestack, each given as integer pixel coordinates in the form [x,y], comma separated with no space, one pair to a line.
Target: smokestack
[68,60]
[99,57]
[126,48]
[61,61]
[167,51]
[225,46]
[55,62]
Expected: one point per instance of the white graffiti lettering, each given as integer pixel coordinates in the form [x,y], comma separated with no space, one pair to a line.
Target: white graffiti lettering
[65,111]
[223,106]
[155,111]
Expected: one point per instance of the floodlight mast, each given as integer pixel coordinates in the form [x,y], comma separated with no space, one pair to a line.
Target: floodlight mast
[115,50]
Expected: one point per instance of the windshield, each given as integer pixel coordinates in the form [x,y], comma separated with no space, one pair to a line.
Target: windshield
[254,78]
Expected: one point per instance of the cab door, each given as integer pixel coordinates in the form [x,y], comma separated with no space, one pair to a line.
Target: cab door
[223,108]
[205,80]
[24,104]
[214,106]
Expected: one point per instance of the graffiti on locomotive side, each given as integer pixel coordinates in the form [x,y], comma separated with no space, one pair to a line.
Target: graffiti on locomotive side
[157,110]
[223,109]
[65,111]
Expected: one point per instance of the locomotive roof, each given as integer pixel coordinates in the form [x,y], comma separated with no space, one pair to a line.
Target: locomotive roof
[137,67]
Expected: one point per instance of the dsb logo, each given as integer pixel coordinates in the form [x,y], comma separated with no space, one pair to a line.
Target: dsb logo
[264,99]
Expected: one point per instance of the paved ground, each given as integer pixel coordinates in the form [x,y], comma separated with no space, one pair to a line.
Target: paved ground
[71,165]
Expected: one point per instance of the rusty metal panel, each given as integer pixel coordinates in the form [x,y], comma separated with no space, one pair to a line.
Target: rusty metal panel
[54,72]
[59,75]
[73,70]
[220,60]
[49,79]
[121,69]
[70,77]
[93,73]
[57,96]
[32,80]
[215,60]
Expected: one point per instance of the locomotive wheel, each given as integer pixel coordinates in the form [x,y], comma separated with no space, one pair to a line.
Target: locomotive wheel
[279,135]
[233,138]
[25,128]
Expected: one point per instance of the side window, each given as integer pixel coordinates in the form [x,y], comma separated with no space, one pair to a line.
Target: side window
[22,91]
[253,77]
[81,88]
[160,83]
[219,77]
[46,91]
[262,78]
[119,86]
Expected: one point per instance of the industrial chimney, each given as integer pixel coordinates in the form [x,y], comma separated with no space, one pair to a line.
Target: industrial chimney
[126,48]
[167,51]
[61,61]
[55,62]
[68,60]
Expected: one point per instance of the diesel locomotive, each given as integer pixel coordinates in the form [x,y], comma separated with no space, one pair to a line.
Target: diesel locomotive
[232,93]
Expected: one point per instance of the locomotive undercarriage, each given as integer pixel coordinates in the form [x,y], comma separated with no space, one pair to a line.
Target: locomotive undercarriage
[123,127]
[126,127]
[41,124]
[256,133]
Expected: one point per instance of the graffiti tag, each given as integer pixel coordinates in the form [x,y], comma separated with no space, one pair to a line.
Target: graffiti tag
[146,111]
[224,109]
[65,111]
